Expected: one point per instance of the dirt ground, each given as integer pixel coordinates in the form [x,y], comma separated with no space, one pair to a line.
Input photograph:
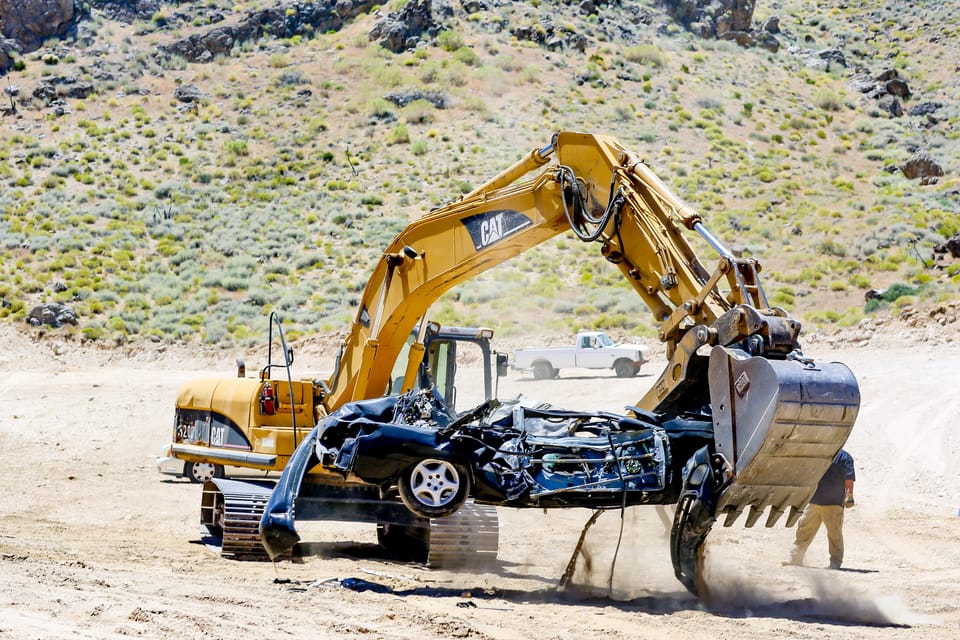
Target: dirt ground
[94,543]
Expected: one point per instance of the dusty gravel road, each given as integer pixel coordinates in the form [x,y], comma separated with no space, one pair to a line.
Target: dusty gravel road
[95,544]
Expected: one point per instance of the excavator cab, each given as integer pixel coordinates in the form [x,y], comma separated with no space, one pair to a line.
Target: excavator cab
[441,369]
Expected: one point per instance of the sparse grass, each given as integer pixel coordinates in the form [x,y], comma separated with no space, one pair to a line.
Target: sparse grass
[647,54]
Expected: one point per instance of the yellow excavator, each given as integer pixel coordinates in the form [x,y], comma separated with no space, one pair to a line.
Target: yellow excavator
[251,424]
[254,423]
[776,418]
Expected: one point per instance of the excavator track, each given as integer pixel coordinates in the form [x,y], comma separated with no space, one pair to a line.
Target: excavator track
[469,537]
[230,516]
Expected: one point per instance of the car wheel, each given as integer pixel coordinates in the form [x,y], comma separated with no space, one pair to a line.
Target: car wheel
[625,369]
[200,472]
[434,488]
[543,371]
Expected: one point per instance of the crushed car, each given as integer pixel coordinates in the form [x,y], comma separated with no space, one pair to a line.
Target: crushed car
[513,453]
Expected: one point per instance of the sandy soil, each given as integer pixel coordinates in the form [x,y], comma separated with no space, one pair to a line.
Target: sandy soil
[94,543]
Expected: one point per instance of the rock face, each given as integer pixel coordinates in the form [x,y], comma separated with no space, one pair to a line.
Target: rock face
[7,49]
[401,31]
[712,18]
[128,11]
[29,22]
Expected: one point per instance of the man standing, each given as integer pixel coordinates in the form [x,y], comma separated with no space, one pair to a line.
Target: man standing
[834,493]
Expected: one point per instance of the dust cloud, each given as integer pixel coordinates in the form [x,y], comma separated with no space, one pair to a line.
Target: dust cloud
[638,567]
[823,595]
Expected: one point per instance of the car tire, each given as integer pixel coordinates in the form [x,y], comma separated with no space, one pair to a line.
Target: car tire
[434,488]
[544,371]
[625,369]
[200,472]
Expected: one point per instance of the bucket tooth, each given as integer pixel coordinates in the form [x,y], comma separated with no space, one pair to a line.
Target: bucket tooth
[732,514]
[794,516]
[755,512]
[775,513]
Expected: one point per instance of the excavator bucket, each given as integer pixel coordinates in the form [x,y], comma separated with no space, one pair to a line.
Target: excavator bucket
[778,424]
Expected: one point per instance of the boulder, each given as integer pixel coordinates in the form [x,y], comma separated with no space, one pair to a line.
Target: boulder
[833,55]
[924,109]
[402,31]
[473,6]
[921,165]
[768,41]
[897,87]
[189,93]
[29,22]
[52,314]
[951,246]
[742,38]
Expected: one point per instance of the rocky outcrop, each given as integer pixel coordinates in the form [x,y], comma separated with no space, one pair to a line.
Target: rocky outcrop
[128,11]
[951,246]
[285,20]
[921,165]
[725,20]
[52,315]
[60,87]
[403,30]
[189,93]
[29,22]
[886,90]
[712,18]
[402,98]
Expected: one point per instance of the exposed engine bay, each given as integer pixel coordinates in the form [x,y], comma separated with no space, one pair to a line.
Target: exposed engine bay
[513,453]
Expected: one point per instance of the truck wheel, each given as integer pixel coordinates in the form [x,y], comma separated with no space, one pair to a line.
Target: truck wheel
[625,368]
[543,371]
[434,488]
[200,472]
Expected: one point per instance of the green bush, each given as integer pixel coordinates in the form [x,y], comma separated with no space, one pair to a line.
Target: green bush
[93,331]
[399,135]
[467,56]
[899,294]
[450,40]
[899,290]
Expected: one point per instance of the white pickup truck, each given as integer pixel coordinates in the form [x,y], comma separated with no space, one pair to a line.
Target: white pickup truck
[593,350]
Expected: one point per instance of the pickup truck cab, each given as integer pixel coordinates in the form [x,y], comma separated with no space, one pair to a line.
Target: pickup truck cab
[592,350]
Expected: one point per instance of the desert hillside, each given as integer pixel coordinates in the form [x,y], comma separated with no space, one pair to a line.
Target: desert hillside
[175,171]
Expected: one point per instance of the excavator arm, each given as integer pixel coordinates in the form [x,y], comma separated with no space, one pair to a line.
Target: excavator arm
[592,186]
[778,418]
